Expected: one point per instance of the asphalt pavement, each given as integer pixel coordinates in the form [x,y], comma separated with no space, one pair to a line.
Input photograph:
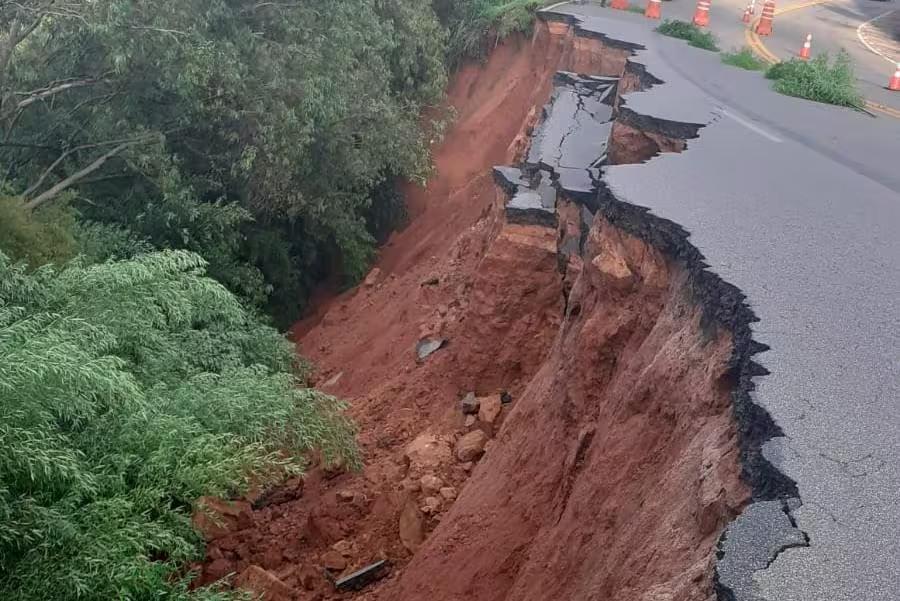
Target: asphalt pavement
[834,25]
[798,205]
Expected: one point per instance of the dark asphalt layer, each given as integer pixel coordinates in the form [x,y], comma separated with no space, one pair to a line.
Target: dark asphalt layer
[798,205]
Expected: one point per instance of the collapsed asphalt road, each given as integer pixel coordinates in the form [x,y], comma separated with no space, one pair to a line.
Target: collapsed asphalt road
[810,238]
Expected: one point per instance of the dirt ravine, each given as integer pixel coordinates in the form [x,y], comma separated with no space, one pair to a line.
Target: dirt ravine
[597,457]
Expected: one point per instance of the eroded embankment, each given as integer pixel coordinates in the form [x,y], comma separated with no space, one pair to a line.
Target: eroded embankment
[598,455]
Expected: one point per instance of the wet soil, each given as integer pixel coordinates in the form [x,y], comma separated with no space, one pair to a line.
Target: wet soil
[611,462]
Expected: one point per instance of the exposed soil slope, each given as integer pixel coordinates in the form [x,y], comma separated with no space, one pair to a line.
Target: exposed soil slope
[609,453]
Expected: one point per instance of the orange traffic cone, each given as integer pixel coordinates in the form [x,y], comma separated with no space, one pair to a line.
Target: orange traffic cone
[747,13]
[764,27]
[807,46]
[894,83]
[619,4]
[653,9]
[701,13]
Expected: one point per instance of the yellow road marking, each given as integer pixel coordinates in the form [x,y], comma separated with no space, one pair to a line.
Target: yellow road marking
[759,48]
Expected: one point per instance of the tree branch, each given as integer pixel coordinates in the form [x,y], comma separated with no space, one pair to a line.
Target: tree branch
[40,94]
[66,154]
[75,177]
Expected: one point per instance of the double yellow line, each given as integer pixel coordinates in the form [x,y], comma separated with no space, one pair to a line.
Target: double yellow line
[756,44]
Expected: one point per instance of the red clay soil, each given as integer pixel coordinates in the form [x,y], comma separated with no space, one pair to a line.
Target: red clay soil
[613,469]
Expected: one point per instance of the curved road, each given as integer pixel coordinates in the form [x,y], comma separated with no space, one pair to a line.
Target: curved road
[798,205]
[834,25]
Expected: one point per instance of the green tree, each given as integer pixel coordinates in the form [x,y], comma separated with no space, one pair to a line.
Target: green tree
[200,124]
[128,389]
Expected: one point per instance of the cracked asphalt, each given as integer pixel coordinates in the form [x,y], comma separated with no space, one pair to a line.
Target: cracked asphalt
[797,204]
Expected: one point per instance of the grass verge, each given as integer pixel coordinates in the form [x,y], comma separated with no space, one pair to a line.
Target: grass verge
[819,79]
[689,32]
[744,59]
[634,8]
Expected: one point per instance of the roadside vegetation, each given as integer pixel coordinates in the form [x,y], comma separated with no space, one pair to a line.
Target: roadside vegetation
[744,59]
[637,9]
[474,26]
[821,79]
[175,178]
[689,32]
[128,389]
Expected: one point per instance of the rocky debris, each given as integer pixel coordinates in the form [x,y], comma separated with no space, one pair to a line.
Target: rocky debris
[218,569]
[344,547]
[448,493]
[427,452]
[505,398]
[323,528]
[411,525]
[467,466]
[372,278]
[272,558]
[308,577]
[490,409]
[214,518]
[471,446]
[264,584]
[431,505]
[333,561]
[428,346]
[432,281]
[346,496]
[431,484]
[332,381]
[470,422]
[470,404]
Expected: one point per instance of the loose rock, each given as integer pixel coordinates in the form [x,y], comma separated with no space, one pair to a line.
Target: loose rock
[448,493]
[344,547]
[489,409]
[471,446]
[214,518]
[431,505]
[218,569]
[470,404]
[308,577]
[411,525]
[264,584]
[431,484]
[428,346]
[372,278]
[427,452]
[334,561]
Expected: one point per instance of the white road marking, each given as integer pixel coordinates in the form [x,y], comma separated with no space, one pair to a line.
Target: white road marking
[867,44]
[552,6]
[752,127]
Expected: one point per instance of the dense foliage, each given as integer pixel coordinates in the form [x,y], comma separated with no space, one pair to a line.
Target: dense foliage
[127,390]
[253,133]
[820,79]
